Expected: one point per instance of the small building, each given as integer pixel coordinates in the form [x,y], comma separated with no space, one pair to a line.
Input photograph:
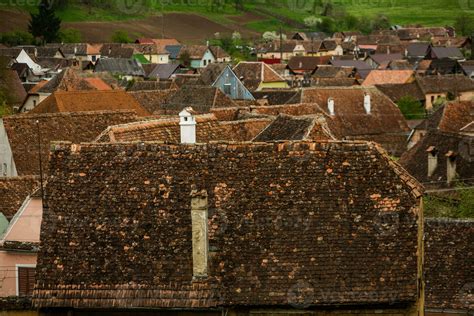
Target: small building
[199,55]
[258,76]
[128,69]
[449,87]
[230,84]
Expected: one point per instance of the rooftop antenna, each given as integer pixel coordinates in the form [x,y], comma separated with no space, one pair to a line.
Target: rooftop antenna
[40,160]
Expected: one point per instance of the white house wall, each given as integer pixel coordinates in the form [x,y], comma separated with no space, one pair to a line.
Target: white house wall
[7,164]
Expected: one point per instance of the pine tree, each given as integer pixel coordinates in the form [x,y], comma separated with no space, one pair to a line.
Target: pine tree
[45,25]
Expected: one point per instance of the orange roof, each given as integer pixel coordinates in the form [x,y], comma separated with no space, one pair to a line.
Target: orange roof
[389,77]
[165,41]
[38,86]
[80,101]
[98,83]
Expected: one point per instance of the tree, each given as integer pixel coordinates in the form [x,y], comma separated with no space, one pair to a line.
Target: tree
[45,25]
[185,58]
[411,108]
[464,24]
[311,21]
[121,36]
[381,22]
[17,38]
[70,36]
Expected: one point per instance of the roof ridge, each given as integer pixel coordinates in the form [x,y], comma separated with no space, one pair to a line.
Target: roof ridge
[29,116]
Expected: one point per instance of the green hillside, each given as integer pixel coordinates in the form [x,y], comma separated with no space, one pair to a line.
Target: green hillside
[272,12]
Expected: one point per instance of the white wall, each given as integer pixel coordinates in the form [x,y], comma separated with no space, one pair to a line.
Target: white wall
[7,165]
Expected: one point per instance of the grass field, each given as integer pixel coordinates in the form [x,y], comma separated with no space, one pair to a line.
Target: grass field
[425,12]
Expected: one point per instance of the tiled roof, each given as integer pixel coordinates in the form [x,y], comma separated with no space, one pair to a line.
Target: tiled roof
[418,49]
[13,192]
[200,98]
[11,87]
[448,264]
[306,63]
[286,127]
[253,73]
[397,91]
[450,117]
[78,127]
[444,84]
[385,124]
[447,52]
[212,71]
[415,160]
[329,71]
[389,77]
[295,215]
[208,129]
[382,58]
[335,82]
[279,96]
[81,101]
[147,85]
[122,66]
[98,83]
[163,71]
[218,52]
[195,51]
[153,100]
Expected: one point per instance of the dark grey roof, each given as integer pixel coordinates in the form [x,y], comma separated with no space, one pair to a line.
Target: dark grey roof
[447,52]
[173,50]
[358,64]
[419,49]
[163,71]
[122,66]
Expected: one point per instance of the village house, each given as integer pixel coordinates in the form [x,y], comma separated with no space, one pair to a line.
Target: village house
[199,55]
[153,53]
[418,50]
[19,147]
[230,84]
[357,113]
[161,71]
[221,55]
[381,61]
[12,88]
[80,51]
[215,224]
[397,92]
[454,53]
[125,68]
[450,117]
[306,65]
[451,87]
[257,76]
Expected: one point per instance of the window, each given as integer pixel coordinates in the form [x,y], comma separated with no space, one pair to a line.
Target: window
[25,279]
[227,88]
[205,62]
[4,169]
[94,58]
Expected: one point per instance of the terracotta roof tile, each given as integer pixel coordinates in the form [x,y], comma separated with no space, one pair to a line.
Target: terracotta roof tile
[389,77]
[80,101]
[13,192]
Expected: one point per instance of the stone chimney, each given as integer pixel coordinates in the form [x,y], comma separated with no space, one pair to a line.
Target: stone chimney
[199,217]
[432,160]
[187,124]
[367,103]
[451,166]
[331,106]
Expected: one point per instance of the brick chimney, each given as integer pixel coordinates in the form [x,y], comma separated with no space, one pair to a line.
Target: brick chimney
[187,124]
[200,242]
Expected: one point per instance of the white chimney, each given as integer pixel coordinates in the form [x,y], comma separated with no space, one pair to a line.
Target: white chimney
[331,106]
[367,103]
[187,124]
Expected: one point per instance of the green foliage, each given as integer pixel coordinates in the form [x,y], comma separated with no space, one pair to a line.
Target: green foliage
[17,38]
[464,24]
[461,205]
[120,36]
[411,108]
[185,58]
[45,25]
[70,36]
[381,22]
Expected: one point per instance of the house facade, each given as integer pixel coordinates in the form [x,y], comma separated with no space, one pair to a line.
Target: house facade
[229,83]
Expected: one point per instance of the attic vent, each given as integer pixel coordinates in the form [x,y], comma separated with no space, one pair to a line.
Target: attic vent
[331,106]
